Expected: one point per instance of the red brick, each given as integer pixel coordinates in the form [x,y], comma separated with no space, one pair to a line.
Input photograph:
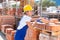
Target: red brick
[32,35]
[41,25]
[3,27]
[53,27]
[7,19]
[8,30]
[7,37]
[11,35]
[13,32]
[11,12]
[54,20]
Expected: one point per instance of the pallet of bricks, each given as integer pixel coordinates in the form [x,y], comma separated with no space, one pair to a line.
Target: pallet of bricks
[31,34]
[7,23]
[10,33]
[43,31]
[50,31]
[47,32]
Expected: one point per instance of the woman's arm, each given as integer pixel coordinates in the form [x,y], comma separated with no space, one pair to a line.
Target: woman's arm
[31,25]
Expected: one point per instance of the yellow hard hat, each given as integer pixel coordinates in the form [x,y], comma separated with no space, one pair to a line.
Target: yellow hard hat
[27,8]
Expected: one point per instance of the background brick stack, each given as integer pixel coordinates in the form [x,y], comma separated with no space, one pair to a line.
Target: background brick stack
[48,36]
[54,20]
[7,20]
[10,34]
[11,12]
[7,25]
[32,33]
[43,36]
[4,27]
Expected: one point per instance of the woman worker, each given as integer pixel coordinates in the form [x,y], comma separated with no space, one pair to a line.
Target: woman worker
[22,28]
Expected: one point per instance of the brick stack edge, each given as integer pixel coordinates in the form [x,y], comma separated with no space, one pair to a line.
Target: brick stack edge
[10,34]
[4,27]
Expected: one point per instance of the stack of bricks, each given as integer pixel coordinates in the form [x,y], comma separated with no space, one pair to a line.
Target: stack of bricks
[41,25]
[48,36]
[10,34]
[44,20]
[43,36]
[51,32]
[4,27]
[54,20]
[53,27]
[13,34]
[19,13]
[11,12]
[32,33]
[7,19]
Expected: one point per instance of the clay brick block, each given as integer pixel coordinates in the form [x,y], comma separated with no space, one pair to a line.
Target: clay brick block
[53,27]
[13,32]
[11,35]
[3,27]
[56,33]
[32,35]
[8,30]
[49,36]
[44,20]
[7,19]
[43,37]
[53,20]
[41,25]
[59,38]
[48,28]
[7,37]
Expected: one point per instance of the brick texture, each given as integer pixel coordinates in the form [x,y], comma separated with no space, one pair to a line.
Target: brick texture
[10,34]
[32,35]
[7,19]
[4,27]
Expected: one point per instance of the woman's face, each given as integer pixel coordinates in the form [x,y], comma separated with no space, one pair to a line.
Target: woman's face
[30,13]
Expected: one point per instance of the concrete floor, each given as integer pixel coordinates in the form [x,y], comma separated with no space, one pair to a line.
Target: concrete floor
[2,36]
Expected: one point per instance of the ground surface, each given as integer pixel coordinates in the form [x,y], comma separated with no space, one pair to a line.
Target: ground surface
[2,36]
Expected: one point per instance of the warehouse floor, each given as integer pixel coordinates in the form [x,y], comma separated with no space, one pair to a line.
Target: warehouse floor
[2,36]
